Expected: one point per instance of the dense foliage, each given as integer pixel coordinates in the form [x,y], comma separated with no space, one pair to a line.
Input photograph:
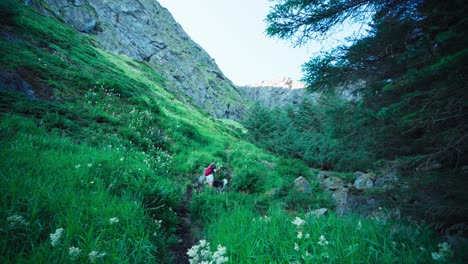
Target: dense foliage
[329,132]
[406,76]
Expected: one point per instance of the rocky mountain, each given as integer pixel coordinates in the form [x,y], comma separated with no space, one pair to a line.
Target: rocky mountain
[276,93]
[285,82]
[145,31]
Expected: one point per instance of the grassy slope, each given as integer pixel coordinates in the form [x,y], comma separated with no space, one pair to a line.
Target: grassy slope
[104,140]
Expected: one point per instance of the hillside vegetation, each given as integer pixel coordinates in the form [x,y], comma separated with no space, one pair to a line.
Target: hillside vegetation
[99,163]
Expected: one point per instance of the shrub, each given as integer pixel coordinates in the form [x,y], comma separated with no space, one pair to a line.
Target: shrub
[248,180]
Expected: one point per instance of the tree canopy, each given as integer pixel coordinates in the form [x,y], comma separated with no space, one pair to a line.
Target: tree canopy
[409,72]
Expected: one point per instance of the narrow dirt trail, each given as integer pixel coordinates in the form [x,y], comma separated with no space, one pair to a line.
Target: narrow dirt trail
[184,231]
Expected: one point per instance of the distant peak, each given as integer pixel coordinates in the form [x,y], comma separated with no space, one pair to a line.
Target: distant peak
[285,82]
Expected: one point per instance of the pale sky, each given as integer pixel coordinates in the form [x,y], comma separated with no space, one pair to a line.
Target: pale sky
[233,33]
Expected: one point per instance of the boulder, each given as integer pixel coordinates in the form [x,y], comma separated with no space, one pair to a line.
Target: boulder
[13,82]
[317,212]
[387,181]
[302,185]
[332,183]
[364,181]
[340,197]
[322,175]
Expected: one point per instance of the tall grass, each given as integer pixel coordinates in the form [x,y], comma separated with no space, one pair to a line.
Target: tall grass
[51,183]
[278,237]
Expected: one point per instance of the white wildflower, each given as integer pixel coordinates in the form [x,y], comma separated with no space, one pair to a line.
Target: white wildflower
[306,256]
[113,220]
[359,225]
[16,220]
[298,222]
[90,165]
[299,234]
[444,253]
[94,255]
[55,237]
[78,166]
[296,246]
[74,252]
[201,254]
[322,241]
[121,159]
[158,223]
[437,256]
[218,255]
[307,235]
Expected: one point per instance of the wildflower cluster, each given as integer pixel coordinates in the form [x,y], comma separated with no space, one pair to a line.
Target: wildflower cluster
[304,245]
[55,237]
[323,241]
[74,252]
[201,253]
[298,222]
[16,220]
[158,226]
[94,255]
[265,219]
[444,253]
[113,220]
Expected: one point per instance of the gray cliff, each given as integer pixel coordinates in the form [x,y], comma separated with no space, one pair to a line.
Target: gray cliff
[146,31]
[273,96]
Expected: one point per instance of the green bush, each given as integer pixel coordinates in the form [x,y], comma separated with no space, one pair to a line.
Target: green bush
[249,180]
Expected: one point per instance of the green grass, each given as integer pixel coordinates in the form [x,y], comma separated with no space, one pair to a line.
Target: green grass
[104,140]
[53,183]
[272,238]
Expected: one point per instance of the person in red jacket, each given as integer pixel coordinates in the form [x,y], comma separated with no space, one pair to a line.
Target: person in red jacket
[209,173]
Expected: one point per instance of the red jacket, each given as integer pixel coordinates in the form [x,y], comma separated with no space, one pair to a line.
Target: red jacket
[208,171]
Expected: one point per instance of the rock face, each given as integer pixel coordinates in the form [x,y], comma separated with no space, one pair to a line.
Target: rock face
[276,93]
[145,31]
[285,82]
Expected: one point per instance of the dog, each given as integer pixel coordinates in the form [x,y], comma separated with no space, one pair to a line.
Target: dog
[220,186]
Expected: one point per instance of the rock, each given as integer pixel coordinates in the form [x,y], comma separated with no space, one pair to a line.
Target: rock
[322,175]
[275,96]
[387,181]
[363,181]
[380,215]
[340,198]
[332,183]
[78,2]
[318,212]
[302,185]
[13,82]
[145,31]
[268,164]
